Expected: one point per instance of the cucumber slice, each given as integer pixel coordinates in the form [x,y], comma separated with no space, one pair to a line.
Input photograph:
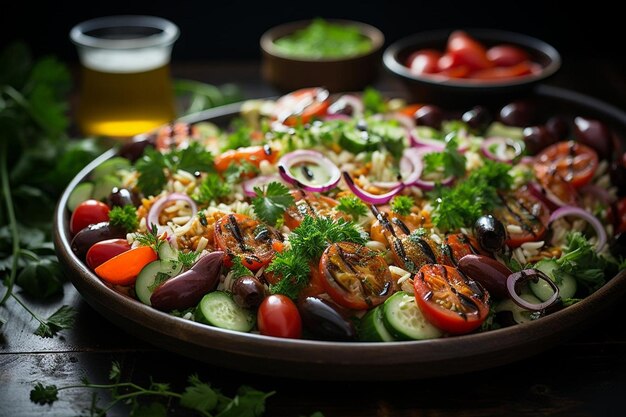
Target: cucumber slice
[82,192]
[218,309]
[103,186]
[404,319]
[356,141]
[543,291]
[519,314]
[500,129]
[152,275]
[109,167]
[167,252]
[372,328]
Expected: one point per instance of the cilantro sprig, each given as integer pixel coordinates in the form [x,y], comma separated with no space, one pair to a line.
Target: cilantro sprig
[271,202]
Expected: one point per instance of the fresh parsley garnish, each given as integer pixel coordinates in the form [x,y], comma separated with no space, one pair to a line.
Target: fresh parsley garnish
[124,217]
[154,167]
[159,279]
[271,202]
[402,204]
[463,203]
[241,136]
[61,319]
[373,101]
[353,206]
[187,259]
[448,162]
[239,270]
[294,272]
[314,235]
[150,238]
[212,188]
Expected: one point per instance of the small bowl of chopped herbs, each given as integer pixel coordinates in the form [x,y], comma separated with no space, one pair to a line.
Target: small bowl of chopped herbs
[340,55]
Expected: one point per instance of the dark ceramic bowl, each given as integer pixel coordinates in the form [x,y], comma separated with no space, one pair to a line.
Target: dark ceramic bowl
[288,73]
[312,359]
[460,92]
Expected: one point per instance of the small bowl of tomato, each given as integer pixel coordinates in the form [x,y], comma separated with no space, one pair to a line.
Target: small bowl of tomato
[452,67]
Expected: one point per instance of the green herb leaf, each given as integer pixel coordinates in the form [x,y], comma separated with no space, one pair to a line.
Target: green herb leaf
[151,168]
[271,202]
[238,169]
[239,270]
[43,395]
[152,409]
[449,162]
[41,278]
[373,101]
[580,260]
[240,138]
[199,396]
[402,204]
[353,206]
[212,188]
[247,403]
[187,258]
[61,319]
[293,271]
[314,235]
[124,217]
[116,372]
[150,238]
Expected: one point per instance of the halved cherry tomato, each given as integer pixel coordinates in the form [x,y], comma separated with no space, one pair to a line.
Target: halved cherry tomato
[466,50]
[252,241]
[527,212]
[355,276]
[410,252]
[301,106]
[455,247]
[308,204]
[104,250]
[552,182]
[278,316]
[506,55]
[450,300]
[316,282]
[424,61]
[252,154]
[501,73]
[574,162]
[124,268]
[88,212]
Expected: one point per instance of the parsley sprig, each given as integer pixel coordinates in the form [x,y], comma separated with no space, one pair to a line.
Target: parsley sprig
[271,202]
[212,188]
[448,162]
[294,272]
[125,217]
[353,206]
[402,205]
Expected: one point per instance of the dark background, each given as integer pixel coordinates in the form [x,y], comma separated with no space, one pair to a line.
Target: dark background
[230,29]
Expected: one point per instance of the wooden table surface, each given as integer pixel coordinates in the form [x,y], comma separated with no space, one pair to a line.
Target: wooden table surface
[585,376]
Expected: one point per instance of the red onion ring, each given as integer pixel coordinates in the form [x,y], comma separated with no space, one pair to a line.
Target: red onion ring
[417,141]
[411,166]
[596,191]
[548,197]
[369,197]
[248,185]
[520,277]
[501,143]
[416,157]
[292,158]
[157,207]
[585,215]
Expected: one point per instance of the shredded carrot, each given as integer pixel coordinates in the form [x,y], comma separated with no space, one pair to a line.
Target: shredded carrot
[124,268]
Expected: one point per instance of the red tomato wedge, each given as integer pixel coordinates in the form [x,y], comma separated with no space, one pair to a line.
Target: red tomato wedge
[124,268]
[308,204]
[301,106]
[502,73]
[424,61]
[572,161]
[450,300]
[506,55]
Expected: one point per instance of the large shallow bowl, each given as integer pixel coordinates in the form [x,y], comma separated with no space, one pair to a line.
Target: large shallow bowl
[461,91]
[333,360]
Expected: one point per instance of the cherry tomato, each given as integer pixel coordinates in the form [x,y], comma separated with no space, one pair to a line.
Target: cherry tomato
[101,252]
[252,154]
[450,300]
[252,241]
[455,247]
[527,212]
[410,252]
[301,106]
[501,73]
[574,162]
[316,282]
[278,316]
[506,55]
[308,204]
[355,276]
[466,50]
[553,182]
[450,66]
[424,61]
[88,212]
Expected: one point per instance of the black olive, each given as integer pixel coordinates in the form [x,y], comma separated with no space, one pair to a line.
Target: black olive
[95,233]
[477,118]
[134,149]
[594,134]
[618,245]
[321,319]
[490,233]
[537,138]
[558,127]
[121,197]
[430,116]
[248,292]
[517,113]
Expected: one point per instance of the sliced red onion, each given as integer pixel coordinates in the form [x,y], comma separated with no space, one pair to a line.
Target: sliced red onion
[369,197]
[416,157]
[585,215]
[501,144]
[157,207]
[548,197]
[598,192]
[520,277]
[411,166]
[417,141]
[314,157]
[355,104]
[248,185]
[527,160]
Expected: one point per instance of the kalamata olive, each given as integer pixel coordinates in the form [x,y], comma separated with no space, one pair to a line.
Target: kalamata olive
[477,118]
[490,233]
[489,272]
[95,233]
[557,127]
[134,149]
[323,320]
[430,116]
[537,138]
[248,292]
[594,134]
[121,197]
[517,113]
[187,289]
